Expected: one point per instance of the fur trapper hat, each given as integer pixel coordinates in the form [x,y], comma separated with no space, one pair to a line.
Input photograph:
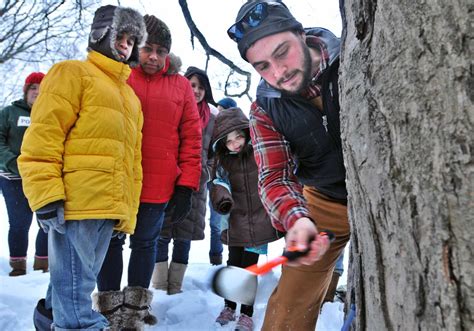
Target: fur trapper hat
[158,32]
[109,22]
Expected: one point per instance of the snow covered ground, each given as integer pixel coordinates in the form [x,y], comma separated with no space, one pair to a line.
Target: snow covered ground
[194,309]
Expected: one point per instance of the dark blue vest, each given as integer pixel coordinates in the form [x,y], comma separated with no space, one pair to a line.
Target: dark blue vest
[314,136]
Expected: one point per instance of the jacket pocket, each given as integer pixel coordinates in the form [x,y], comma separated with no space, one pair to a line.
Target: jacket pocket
[88,182]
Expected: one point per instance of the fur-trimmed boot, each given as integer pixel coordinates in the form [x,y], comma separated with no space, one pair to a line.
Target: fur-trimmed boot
[109,304]
[136,308]
[175,277]
[41,263]
[18,267]
[159,280]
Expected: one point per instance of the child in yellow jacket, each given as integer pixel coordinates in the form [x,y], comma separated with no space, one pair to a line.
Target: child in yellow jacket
[81,163]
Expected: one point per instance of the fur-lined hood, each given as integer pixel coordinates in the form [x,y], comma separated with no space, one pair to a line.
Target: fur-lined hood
[175,64]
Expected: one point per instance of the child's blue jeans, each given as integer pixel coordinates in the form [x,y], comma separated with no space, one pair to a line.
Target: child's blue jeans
[75,259]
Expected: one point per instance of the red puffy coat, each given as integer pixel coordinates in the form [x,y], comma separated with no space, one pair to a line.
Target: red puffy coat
[172,133]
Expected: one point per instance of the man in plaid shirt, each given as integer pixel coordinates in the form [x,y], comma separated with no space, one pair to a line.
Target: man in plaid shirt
[295,131]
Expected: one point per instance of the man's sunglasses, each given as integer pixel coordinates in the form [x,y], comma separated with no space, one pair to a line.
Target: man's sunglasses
[251,19]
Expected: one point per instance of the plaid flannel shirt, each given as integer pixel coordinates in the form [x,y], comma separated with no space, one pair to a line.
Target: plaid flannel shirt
[280,191]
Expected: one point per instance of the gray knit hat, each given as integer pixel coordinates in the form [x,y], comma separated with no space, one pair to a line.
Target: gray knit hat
[109,22]
[277,19]
[158,32]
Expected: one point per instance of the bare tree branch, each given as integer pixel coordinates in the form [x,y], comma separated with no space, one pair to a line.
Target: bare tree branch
[34,34]
[195,32]
[36,28]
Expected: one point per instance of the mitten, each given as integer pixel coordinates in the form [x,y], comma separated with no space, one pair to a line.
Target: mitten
[181,202]
[51,216]
[221,199]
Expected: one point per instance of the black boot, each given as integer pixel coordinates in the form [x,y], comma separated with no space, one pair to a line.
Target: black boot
[42,317]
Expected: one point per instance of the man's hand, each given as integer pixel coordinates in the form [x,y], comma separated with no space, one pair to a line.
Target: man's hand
[51,217]
[303,235]
[181,202]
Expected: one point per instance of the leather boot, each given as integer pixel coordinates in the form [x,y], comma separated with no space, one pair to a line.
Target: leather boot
[332,288]
[159,279]
[109,304]
[41,263]
[18,267]
[215,259]
[136,308]
[175,277]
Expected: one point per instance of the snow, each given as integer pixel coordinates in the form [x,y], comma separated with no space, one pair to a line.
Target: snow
[194,309]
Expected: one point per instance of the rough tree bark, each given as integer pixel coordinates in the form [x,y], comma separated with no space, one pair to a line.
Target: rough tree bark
[407,126]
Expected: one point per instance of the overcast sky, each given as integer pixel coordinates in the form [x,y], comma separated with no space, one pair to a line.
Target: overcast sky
[213,18]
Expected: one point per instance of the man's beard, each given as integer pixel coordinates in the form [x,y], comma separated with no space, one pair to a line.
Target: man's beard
[305,73]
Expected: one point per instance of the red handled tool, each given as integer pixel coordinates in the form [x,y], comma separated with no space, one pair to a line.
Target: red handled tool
[290,254]
[240,285]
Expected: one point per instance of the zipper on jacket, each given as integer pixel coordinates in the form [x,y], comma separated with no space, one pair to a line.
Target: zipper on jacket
[249,200]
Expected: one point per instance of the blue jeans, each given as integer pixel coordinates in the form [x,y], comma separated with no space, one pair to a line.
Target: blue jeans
[215,223]
[181,250]
[143,246]
[339,268]
[20,217]
[74,262]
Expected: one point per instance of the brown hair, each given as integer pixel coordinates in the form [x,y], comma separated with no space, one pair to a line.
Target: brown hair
[223,156]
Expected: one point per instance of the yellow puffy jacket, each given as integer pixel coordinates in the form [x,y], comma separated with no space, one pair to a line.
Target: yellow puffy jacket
[84,142]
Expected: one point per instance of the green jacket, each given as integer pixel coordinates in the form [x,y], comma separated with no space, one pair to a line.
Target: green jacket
[14,120]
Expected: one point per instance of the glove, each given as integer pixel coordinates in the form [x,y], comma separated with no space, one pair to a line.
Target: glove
[181,202]
[119,235]
[51,217]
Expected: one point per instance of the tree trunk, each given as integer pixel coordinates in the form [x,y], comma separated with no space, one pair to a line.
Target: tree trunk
[407,125]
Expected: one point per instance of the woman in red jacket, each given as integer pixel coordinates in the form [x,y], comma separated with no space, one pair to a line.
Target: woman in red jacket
[170,278]
[171,161]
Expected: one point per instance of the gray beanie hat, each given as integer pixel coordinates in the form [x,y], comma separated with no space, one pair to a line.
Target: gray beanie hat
[158,32]
[278,19]
[109,22]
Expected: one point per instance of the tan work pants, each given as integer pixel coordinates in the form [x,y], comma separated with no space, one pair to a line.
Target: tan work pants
[296,301]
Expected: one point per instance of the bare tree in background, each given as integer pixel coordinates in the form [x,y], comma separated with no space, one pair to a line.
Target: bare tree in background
[233,81]
[39,30]
[407,129]
[37,34]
